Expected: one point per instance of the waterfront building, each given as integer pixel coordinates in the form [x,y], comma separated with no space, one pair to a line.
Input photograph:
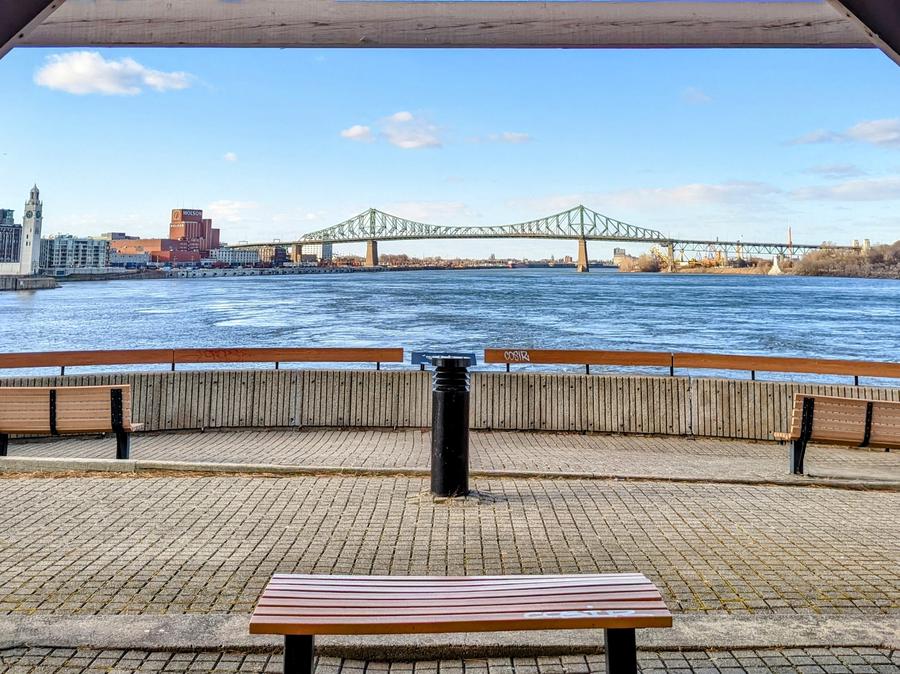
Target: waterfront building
[312,252]
[160,251]
[10,235]
[65,254]
[274,255]
[234,256]
[191,237]
[128,260]
[20,244]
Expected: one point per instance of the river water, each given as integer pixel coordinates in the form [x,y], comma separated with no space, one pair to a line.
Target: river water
[468,310]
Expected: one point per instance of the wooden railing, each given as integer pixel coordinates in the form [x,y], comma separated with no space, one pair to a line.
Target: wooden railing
[693,361]
[173,357]
[673,361]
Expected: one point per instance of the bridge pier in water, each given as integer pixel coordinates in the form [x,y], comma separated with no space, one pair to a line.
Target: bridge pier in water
[371,253]
[583,265]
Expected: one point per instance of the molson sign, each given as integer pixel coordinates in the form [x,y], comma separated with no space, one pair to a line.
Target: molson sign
[187,215]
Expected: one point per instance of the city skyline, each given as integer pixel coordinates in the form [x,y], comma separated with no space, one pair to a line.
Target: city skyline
[274,144]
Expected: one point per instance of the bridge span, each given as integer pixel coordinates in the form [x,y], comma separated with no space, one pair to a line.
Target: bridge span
[579,223]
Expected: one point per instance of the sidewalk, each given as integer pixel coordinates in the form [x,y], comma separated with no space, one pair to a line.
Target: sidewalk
[666,457]
[141,572]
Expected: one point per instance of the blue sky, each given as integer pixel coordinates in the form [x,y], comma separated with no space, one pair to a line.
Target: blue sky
[274,143]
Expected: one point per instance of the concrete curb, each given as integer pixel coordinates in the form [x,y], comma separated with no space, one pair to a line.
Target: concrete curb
[21,464]
[180,632]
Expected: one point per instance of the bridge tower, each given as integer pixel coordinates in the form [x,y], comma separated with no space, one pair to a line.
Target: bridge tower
[583,264]
[371,253]
[670,253]
[372,244]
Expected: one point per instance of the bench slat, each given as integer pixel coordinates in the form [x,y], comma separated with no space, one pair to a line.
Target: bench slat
[393,604]
[447,602]
[376,586]
[474,593]
[374,613]
[533,620]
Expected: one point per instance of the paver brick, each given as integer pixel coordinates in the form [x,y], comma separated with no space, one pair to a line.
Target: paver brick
[209,544]
[87,661]
[630,455]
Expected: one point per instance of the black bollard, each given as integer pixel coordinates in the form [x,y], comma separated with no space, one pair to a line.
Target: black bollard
[450,427]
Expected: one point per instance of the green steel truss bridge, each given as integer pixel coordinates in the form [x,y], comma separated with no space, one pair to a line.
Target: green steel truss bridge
[579,223]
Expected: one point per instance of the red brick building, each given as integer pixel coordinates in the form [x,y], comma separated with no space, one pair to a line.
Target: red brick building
[191,237]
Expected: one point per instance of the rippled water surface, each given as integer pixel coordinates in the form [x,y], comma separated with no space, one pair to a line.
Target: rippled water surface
[468,310]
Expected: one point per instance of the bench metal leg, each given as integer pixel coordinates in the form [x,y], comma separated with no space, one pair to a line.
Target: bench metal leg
[798,451]
[123,445]
[621,652]
[4,444]
[299,654]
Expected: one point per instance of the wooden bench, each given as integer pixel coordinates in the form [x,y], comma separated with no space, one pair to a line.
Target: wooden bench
[301,606]
[840,421]
[67,410]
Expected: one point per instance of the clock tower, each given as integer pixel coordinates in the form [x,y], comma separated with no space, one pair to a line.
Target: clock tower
[30,250]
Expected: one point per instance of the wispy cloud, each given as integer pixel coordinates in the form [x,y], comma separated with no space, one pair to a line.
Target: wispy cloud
[692,194]
[878,132]
[229,211]
[438,212]
[872,189]
[813,137]
[511,137]
[230,157]
[87,72]
[402,129]
[409,132]
[695,96]
[835,170]
[402,116]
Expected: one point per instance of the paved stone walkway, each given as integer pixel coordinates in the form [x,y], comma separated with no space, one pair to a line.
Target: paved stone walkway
[811,660]
[209,544]
[644,456]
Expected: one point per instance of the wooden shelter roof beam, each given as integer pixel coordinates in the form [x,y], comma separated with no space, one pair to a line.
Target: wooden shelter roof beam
[328,23]
[880,20]
[19,17]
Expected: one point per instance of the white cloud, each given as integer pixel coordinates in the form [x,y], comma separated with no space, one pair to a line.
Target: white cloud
[87,72]
[359,133]
[230,157]
[695,96]
[408,132]
[873,189]
[229,211]
[401,116]
[879,132]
